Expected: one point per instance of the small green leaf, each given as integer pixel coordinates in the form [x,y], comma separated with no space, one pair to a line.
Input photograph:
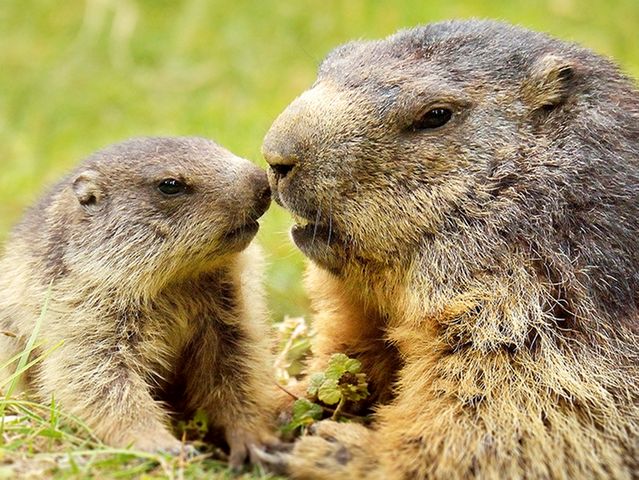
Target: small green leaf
[329,392]
[339,364]
[352,365]
[342,382]
[302,408]
[305,413]
[314,384]
[200,421]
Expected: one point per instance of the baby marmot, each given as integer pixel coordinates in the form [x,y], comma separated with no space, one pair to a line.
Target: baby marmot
[141,254]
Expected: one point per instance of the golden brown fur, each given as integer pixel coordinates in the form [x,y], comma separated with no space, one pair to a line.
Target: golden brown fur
[157,303]
[485,269]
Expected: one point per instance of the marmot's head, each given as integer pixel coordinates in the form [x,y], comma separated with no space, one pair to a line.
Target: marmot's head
[156,205]
[436,129]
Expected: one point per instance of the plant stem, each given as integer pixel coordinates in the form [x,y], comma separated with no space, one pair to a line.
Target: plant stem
[338,410]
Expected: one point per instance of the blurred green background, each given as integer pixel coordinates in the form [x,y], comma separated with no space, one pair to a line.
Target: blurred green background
[77,75]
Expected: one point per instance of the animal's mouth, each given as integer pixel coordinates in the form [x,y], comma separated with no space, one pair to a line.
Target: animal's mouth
[316,236]
[320,242]
[248,229]
[239,238]
[307,231]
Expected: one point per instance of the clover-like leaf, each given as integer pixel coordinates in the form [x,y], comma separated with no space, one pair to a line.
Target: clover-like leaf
[342,382]
[329,392]
[305,413]
[339,364]
[314,384]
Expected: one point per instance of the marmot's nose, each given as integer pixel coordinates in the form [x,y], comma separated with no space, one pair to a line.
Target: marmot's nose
[281,157]
[262,192]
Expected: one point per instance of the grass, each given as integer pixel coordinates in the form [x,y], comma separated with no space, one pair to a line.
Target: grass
[40,442]
[78,75]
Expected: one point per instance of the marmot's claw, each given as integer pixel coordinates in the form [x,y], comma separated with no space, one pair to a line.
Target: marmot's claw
[189,451]
[329,453]
[276,462]
[242,445]
[281,447]
[284,417]
[183,450]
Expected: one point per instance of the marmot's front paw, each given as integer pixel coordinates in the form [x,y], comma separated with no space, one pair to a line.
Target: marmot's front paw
[161,442]
[332,450]
[242,444]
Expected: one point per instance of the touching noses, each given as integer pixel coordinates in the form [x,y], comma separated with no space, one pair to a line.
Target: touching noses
[262,192]
[281,156]
[303,130]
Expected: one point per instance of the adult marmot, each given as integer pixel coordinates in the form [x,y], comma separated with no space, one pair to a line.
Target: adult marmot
[468,194]
[140,253]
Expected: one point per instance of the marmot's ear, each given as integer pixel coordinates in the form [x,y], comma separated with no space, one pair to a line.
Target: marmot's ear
[87,188]
[550,82]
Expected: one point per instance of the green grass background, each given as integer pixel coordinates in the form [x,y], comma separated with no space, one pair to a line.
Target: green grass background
[77,75]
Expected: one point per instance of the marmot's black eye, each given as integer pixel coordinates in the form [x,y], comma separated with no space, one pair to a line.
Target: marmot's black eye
[171,186]
[434,118]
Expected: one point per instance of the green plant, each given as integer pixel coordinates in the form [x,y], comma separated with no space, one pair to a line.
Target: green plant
[342,382]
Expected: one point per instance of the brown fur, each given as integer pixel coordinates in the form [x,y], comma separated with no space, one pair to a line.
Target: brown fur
[156,301]
[486,271]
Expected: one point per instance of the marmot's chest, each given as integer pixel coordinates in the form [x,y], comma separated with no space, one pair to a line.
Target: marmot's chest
[174,329]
